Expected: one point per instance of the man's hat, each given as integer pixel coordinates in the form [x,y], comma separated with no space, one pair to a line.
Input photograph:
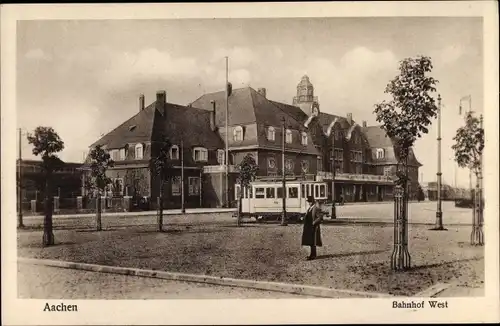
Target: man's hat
[310,199]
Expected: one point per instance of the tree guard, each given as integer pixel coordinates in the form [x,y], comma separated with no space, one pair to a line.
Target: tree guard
[400,258]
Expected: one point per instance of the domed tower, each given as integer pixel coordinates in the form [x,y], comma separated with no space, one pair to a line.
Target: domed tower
[305,98]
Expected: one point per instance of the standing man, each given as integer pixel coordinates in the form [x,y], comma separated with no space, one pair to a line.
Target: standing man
[311,235]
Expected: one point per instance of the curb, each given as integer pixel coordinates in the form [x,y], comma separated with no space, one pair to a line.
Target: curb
[305,290]
[434,290]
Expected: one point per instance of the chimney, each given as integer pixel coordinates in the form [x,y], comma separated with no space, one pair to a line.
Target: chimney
[212,117]
[262,91]
[349,118]
[364,124]
[161,102]
[141,102]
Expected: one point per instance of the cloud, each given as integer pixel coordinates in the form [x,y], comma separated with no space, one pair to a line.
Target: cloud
[239,57]
[146,65]
[449,54]
[37,54]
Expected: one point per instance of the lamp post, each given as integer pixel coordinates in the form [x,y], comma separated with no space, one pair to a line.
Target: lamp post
[20,223]
[334,210]
[283,174]
[439,212]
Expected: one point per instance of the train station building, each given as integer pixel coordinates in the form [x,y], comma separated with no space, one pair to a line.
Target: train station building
[318,146]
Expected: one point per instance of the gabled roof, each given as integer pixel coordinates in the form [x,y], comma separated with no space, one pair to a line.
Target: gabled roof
[137,129]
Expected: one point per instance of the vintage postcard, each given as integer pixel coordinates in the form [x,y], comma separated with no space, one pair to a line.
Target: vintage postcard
[250,163]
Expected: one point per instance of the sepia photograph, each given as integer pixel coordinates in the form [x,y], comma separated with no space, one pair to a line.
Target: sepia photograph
[292,157]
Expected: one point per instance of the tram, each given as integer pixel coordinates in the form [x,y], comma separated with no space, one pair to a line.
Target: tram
[263,200]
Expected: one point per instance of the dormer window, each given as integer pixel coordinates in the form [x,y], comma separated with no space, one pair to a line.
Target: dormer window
[114,153]
[288,136]
[139,151]
[338,134]
[238,133]
[304,139]
[174,152]
[200,154]
[123,154]
[220,156]
[271,133]
[380,153]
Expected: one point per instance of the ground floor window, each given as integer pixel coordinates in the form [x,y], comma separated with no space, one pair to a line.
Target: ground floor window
[194,186]
[176,186]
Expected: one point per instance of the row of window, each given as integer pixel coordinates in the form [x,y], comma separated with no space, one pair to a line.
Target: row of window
[289,164]
[271,136]
[200,154]
[277,192]
[194,185]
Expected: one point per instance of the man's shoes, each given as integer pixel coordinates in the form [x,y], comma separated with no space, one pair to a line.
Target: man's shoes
[310,257]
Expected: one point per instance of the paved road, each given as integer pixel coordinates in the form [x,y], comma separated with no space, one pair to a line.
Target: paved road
[424,212]
[42,282]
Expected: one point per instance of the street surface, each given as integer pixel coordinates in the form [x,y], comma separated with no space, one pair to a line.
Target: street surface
[42,282]
[424,212]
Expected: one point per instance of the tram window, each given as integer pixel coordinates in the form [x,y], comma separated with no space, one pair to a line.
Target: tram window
[316,190]
[293,192]
[322,191]
[303,191]
[309,190]
[279,192]
[259,193]
[269,192]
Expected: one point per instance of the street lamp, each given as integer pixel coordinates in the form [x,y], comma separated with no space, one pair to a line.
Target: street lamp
[439,212]
[283,176]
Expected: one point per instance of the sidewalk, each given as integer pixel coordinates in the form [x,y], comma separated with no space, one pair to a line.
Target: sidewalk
[140,213]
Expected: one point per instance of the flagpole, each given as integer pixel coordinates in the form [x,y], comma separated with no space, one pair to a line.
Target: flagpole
[227,133]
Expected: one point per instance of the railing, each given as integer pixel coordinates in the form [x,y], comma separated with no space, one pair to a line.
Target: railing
[219,169]
[354,177]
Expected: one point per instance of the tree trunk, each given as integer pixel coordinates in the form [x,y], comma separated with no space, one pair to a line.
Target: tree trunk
[160,207]
[98,215]
[240,198]
[48,235]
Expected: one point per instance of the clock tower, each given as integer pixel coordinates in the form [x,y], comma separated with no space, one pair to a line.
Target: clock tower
[305,98]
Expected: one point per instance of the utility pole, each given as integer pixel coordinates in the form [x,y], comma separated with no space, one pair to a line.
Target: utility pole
[227,133]
[20,223]
[439,212]
[283,174]
[334,165]
[183,208]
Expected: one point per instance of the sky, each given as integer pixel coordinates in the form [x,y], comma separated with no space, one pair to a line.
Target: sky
[84,78]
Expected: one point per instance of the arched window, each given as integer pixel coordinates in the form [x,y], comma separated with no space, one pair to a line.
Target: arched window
[220,156]
[288,138]
[139,149]
[380,153]
[271,133]
[174,152]
[304,138]
[238,133]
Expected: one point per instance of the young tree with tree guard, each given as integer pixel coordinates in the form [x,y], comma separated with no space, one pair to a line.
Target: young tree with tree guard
[468,147]
[46,142]
[160,166]
[405,118]
[100,161]
[247,171]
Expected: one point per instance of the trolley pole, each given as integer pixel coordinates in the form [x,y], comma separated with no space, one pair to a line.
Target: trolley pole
[20,223]
[439,212]
[183,208]
[334,210]
[283,175]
